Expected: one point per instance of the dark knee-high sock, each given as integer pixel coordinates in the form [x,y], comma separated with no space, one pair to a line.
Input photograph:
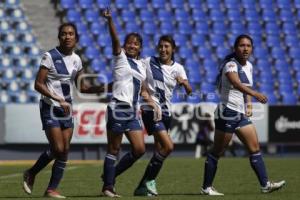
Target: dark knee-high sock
[44,159]
[153,167]
[126,161]
[258,165]
[210,170]
[109,170]
[58,169]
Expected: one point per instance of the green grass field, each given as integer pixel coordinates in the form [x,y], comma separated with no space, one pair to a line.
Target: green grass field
[180,178]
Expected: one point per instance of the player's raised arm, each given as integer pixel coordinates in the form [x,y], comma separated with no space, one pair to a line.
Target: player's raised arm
[116,45]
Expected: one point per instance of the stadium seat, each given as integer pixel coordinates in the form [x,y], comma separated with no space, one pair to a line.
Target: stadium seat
[86,4]
[149,28]
[141,4]
[68,4]
[202,27]
[166,28]
[219,27]
[286,16]
[148,52]
[184,28]
[194,4]
[146,16]
[97,28]
[204,53]
[198,40]
[289,28]
[216,15]
[104,40]
[122,4]
[234,15]
[283,4]
[92,53]
[86,41]
[102,4]
[128,15]
[182,16]
[217,40]
[91,14]
[232,4]
[158,4]
[251,15]
[198,15]
[288,98]
[177,4]
[164,15]
[132,27]
[180,40]
[73,16]
[269,15]
[213,4]
[185,52]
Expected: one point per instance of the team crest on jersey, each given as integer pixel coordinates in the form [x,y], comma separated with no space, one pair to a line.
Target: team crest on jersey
[231,64]
[75,64]
[44,57]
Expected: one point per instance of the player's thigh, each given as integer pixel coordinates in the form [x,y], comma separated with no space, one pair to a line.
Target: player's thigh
[247,134]
[164,141]
[55,138]
[136,139]
[221,141]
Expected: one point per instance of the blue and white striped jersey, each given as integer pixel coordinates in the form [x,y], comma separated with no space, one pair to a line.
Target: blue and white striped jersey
[128,75]
[231,97]
[161,81]
[61,75]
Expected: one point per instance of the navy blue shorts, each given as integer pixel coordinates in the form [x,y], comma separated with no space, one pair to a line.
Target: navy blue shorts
[230,120]
[53,116]
[155,126]
[122,118]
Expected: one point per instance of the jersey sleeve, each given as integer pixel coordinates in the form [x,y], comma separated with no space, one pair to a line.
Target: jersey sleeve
[46,61]
[230,67]
[181,72]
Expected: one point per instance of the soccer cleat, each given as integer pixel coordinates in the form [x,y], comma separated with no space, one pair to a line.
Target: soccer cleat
[151,187]
[53,194]
[28,181]
[211,191]
[272,186]
[110,192]
[142,191]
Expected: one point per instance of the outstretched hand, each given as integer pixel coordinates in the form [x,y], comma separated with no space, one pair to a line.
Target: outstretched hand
[106,13]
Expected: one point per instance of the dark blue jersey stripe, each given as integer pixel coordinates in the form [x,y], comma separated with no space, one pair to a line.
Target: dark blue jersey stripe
[61,68]
[136,82]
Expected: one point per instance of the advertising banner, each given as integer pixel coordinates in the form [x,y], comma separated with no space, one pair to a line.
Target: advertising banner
[23,124]
[284,124]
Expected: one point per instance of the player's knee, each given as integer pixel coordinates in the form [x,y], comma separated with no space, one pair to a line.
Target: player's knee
[139,152]
[168,148]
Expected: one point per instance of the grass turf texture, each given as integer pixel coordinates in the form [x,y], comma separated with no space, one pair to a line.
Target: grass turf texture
[180,178]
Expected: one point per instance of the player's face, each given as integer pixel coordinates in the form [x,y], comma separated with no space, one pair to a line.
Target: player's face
[67,37]
[244,49]
[132,47]
[165,51]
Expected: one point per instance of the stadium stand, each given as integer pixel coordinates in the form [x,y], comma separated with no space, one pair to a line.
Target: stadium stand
[19,55]
[204,32]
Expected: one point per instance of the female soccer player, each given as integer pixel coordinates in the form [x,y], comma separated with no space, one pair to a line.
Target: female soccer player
[231,116]
[59,69]
[163,74]
[122,112]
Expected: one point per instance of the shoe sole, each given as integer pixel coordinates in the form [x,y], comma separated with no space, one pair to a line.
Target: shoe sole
[26,189]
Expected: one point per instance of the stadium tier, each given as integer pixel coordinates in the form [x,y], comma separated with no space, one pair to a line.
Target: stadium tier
[203,29]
